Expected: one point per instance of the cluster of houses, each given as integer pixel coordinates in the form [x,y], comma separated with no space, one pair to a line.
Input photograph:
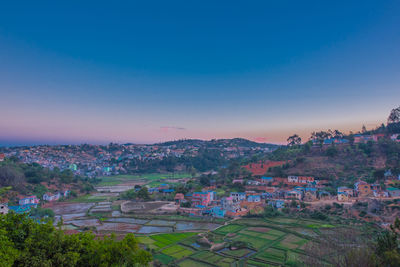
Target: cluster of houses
[162,188]
[358,139]
[363,189]
[258,194]
[25,204]
[274,191]
[55,196]
[97,160]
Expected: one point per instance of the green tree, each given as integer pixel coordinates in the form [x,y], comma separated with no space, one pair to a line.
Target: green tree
[387,248]
[394,116]
[23,242]
[143,193]
[294,140]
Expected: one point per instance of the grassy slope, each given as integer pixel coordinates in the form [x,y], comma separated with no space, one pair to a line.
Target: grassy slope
[351,161]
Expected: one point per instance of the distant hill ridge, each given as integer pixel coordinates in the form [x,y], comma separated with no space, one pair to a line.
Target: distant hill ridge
[218,142]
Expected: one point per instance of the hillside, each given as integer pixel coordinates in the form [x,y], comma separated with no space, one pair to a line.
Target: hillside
[344,162]
[32,179]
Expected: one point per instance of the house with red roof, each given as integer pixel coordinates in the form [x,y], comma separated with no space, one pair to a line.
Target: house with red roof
[179,197]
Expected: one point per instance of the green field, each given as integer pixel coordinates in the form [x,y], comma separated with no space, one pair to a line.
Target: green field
[292,242]
[146,240]
[177,251]
[230,228]
[193,263]
[272,254]
[237,253]
[165,259]
[163,240]
[255,242]
[89,199]
[266,242]
[149,178]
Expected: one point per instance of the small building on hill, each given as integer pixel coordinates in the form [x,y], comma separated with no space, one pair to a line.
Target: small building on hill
[310,194]
[29,200]
[279,204]
[363,189]
[343,197]
[344,189]
[179,197]
[3,208]
[295,194]
[293,179]
[217,212]
[51,197]
[266,180]
[238,196]
[393,192]
[254,198]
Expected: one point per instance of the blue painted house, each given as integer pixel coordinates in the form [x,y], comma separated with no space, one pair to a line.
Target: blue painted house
[279,204]
[254,198]
[266,180]
[217,212]
[22,208]
[167,191]
[153,190]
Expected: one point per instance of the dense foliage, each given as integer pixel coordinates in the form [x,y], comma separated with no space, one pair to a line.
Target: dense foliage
[24,242]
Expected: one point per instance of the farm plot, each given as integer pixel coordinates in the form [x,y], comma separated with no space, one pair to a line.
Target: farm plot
[259,235]
[164,240]
[177,252]
[230,228]
[161,223]
[292,242]
[146,240]
[211,258]
[165,259]
[292,256]
[254,241]
[283,220]
[239,253]
[193,263]
[272,255]
[304,231]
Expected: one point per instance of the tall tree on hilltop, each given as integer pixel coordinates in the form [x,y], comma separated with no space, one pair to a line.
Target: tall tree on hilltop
[319,137]
[338,134]
[294,140]
[364,129]
[394,116]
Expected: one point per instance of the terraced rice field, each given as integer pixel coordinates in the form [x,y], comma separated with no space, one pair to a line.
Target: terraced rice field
[177,251]
[265,243]
[230,228]
[164,240]
[193,263]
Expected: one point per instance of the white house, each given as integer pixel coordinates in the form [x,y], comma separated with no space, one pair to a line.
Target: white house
[3,209]
[51,197]
[29,200]
[293,179]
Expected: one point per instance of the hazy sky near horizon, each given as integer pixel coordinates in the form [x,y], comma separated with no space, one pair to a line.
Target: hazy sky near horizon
[150,71]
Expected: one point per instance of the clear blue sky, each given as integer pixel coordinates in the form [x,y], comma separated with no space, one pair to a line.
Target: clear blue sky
[147,71]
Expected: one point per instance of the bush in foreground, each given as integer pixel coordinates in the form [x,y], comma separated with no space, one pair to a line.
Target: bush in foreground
[24,242]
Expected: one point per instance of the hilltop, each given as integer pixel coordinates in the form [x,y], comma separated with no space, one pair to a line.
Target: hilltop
[365,156]
[234,142]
